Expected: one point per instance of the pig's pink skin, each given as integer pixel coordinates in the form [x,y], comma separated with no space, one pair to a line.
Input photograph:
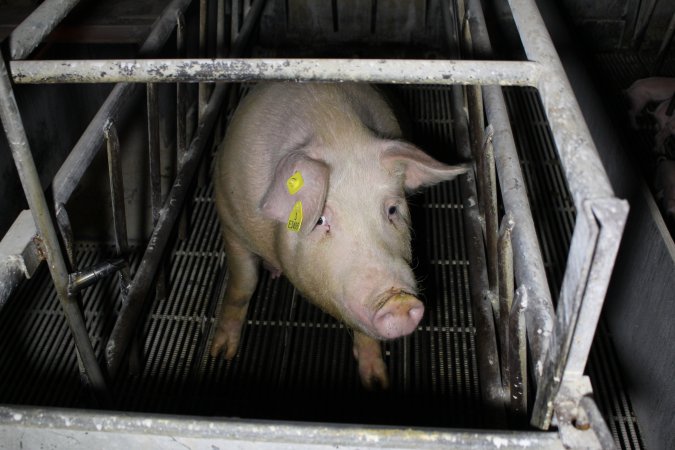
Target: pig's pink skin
[664,183]
[646,90]
[356,260]
[665,124]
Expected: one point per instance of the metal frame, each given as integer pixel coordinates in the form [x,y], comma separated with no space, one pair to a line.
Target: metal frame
[559,342]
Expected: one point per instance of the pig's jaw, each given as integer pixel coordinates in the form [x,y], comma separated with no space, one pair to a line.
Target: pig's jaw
[396,313]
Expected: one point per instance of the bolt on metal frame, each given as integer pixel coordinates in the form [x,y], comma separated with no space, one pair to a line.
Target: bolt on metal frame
[560,341]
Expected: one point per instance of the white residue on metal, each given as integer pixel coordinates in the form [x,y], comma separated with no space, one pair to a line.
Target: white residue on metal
[17,416]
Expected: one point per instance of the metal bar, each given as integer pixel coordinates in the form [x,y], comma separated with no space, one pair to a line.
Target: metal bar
[75,429]
[599,225]
[504,73]
[220,29]
[181,112]
[593,250]
[203,90]
[234,30]
[30,180]
[155,171]
[665,43]
[517,358]
[489,201]
[584,172]
[85,278]
[118,104]
[153,151]
[130,313]
[528,263]
[116,188]
[20,255]
[505,254]
[120,225]
[30,33]
[486,339]
[596,422]
[460,125]
[66,231]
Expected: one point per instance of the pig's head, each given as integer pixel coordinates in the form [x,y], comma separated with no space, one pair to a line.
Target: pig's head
[345,238]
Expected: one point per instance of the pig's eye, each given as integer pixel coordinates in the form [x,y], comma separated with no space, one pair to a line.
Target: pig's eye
[322,221]
[392,210]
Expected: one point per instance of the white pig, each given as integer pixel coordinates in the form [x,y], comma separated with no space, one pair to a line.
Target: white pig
[647,90]
[666,125]
[311,179]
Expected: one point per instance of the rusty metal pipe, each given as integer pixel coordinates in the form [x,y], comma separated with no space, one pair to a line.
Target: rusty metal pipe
[447,72]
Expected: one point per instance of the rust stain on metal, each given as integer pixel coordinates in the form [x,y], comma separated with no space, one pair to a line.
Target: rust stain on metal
[39,247]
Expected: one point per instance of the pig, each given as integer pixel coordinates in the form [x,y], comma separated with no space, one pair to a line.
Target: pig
[666,125]
[647,90]
[664,183]
[310,180]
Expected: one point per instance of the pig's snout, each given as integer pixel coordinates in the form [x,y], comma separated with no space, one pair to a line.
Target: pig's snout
[398,316]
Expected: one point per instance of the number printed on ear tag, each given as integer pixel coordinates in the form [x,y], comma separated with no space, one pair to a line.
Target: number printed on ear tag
[295,218]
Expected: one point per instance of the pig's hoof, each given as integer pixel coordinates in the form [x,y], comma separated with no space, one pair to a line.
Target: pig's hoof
[373,374]
[226,342]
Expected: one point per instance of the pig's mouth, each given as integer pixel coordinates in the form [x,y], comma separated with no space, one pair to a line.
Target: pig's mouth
[383,298]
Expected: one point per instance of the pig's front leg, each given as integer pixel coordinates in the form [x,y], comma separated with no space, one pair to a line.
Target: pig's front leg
[243,278]
[372,369]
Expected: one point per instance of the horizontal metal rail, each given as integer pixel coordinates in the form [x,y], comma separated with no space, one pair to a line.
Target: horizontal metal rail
[85,430]
[504,73]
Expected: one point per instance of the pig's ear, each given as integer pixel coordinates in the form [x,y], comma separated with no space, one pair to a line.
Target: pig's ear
[417,168]
[297,192]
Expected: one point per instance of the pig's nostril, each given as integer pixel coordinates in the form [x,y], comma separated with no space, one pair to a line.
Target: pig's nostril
[399,316]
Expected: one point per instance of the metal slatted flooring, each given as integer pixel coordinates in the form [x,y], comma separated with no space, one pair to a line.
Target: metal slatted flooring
[295,362]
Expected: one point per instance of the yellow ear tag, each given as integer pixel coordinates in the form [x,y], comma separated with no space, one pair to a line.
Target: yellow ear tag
[295,218]
[294,183]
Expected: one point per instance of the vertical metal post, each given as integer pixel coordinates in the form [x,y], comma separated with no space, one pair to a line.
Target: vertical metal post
[489,202]
[517,358]
[234,30]
[220,29]
[505,254]
[155,170]
[120,225]
[181,112]
[486,339]
[66,230]
[528,263]
[131,311]
[116,187]
[203,87]
[30,180]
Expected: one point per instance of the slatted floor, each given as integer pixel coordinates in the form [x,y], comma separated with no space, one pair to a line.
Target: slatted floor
[295,362]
